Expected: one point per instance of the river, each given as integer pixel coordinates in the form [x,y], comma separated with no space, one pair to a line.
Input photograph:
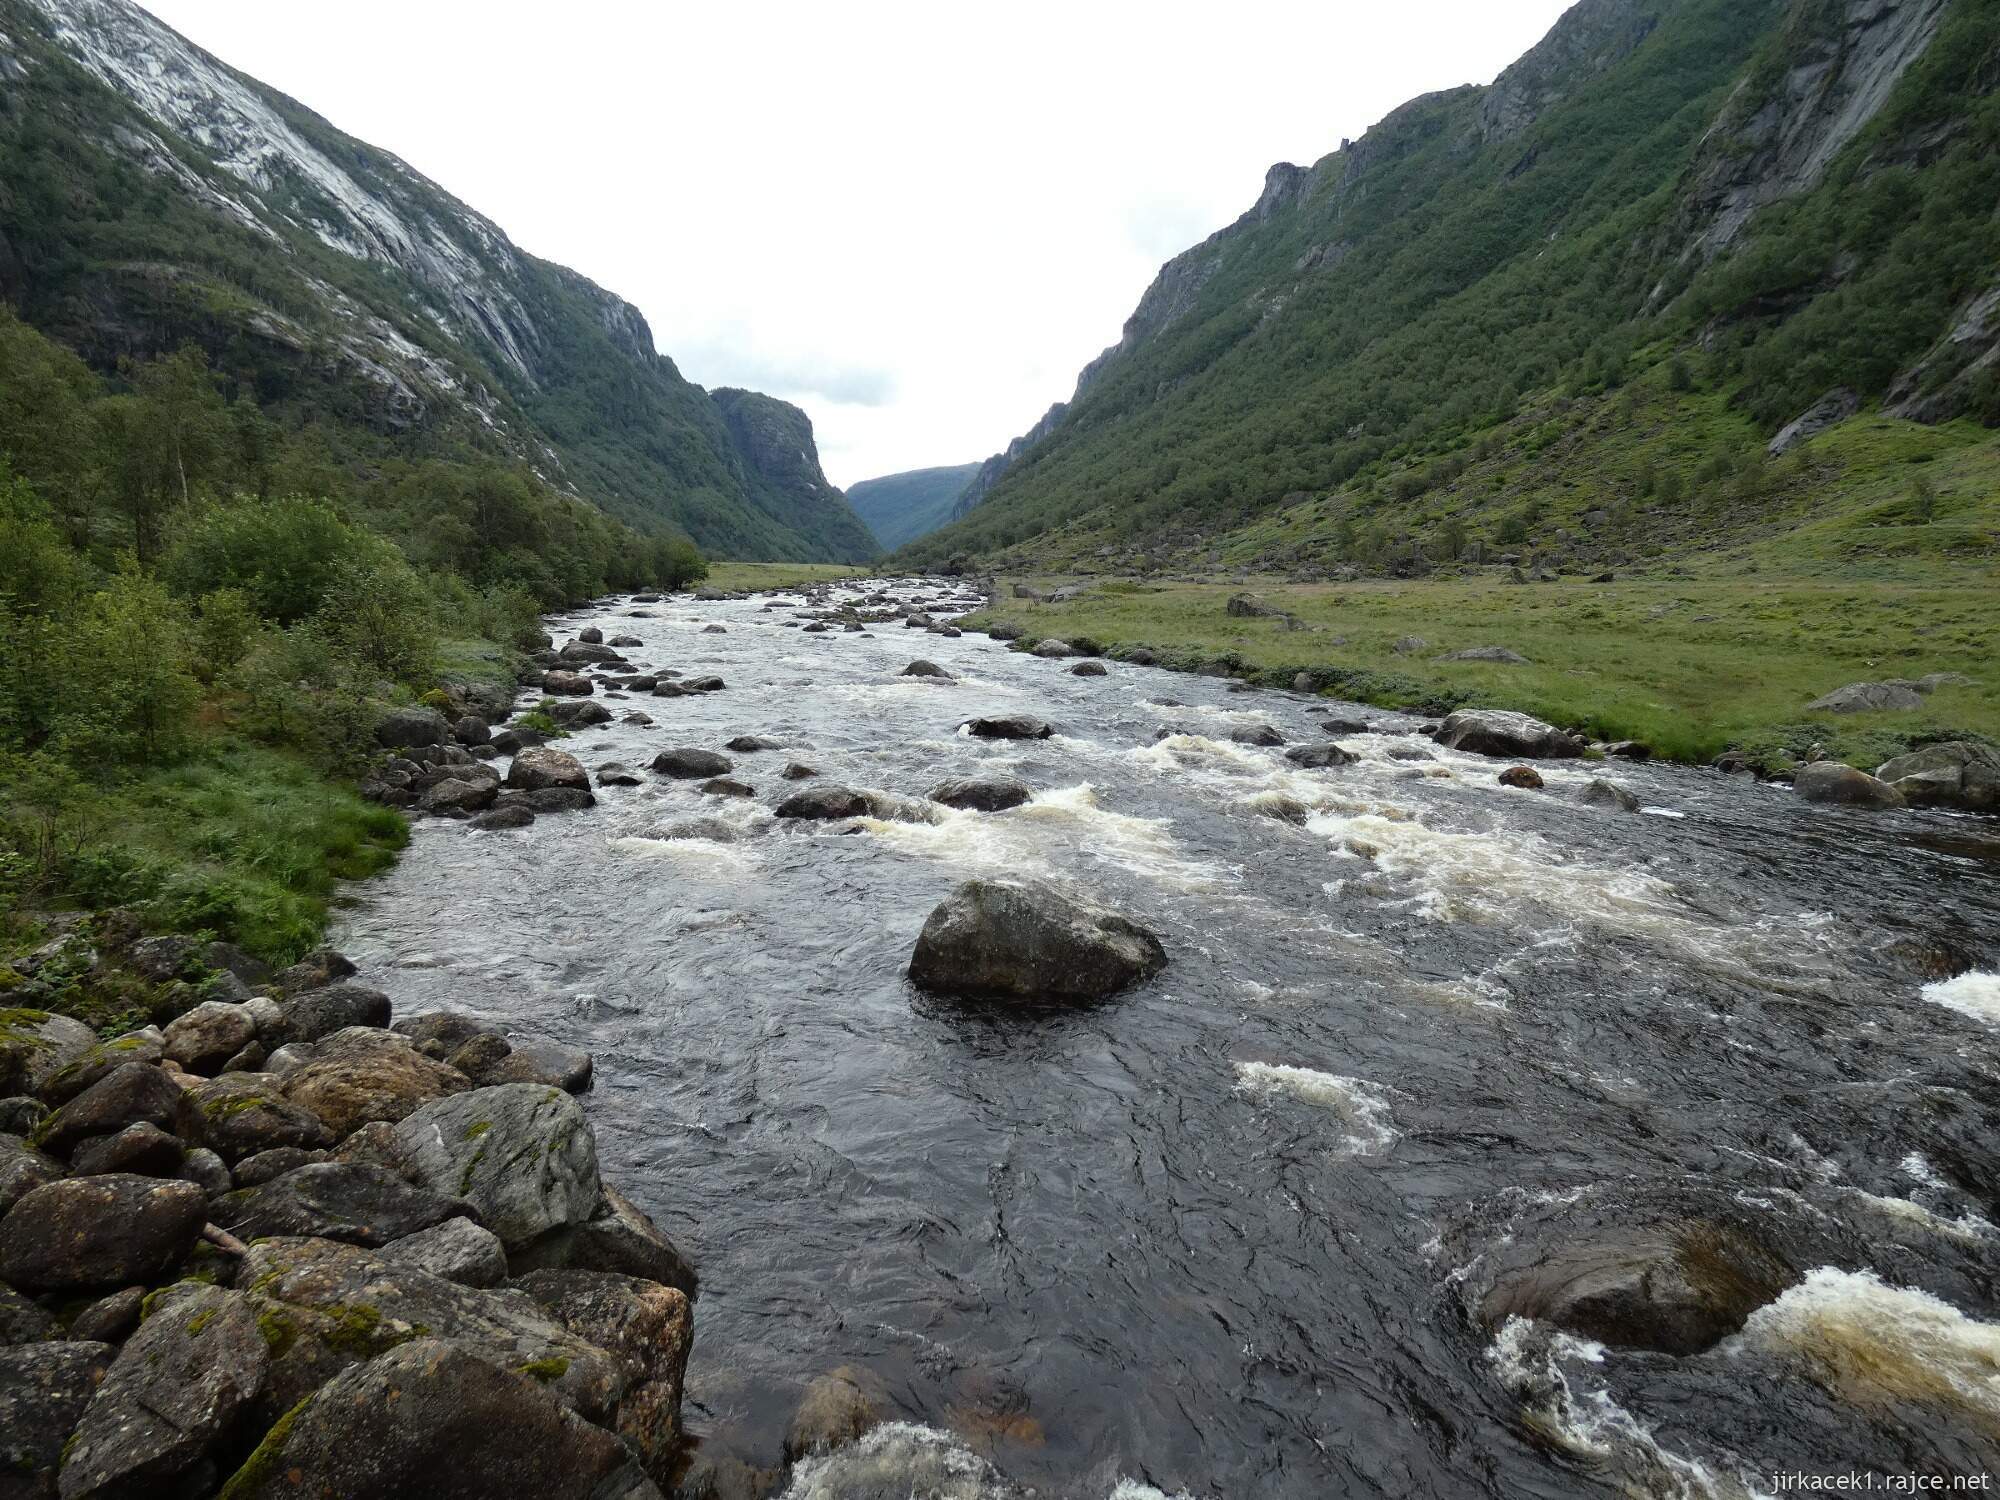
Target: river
[1214,1237]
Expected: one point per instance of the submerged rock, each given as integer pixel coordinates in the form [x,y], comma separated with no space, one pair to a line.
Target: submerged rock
[1320,757]
[837,1407]
[1028,940]
[1602,793]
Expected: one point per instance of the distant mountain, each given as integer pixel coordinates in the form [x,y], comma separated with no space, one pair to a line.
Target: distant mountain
[1777,206]
[150,195]
[900,508]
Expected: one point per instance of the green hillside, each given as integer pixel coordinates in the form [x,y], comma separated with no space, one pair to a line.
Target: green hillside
[900,508]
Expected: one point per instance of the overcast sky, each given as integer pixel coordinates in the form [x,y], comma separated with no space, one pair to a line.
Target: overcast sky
[917,221]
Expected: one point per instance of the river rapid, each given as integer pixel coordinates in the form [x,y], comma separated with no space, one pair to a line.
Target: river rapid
[1223,1235]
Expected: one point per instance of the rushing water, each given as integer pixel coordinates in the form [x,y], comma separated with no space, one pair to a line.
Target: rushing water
[1214,1237]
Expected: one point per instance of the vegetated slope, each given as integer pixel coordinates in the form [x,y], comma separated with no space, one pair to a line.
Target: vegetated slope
[1753,202]
[151,196]
[900,508]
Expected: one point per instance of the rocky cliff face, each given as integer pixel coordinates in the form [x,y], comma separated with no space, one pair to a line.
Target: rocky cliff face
[774,439]
[329,274]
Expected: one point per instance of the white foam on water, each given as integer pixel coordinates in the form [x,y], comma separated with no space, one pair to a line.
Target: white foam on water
[1968,1227]
[1975,994]
[706,852]
[1363,1107]
[1875,1344]
[898,1458]
[1531,1361]
[1133,1489]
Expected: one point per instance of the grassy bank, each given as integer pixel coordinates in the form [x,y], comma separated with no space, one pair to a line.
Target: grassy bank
[1691,666]
[734,576]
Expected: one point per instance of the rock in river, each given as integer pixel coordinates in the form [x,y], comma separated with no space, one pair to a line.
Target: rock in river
[1008,727]
[687,764]
[539,766]
[825,803]
[1830,781]
[1028,940]
[982,794]
[1493,731]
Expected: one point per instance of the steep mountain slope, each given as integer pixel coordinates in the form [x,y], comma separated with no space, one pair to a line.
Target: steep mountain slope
[150,195]
[900,508]
[774,440]
[1775,198]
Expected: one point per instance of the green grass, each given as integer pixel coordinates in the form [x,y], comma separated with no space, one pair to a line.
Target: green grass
[734,576]
[1692,666]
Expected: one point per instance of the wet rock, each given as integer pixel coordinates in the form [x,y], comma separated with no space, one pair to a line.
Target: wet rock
[477,1055]
[405,728]
[356,1203]
[207,1171]
[648,1327]
[1527,778]
[1610,795]
[109,1319]
[431,1418]
[1409,752]
[1320,757]
[1629,750]
[1052,650]
[567,1068]
[320,1013]
[567,684]
[751,744]
[837,1408]
[825,803]
[1256,734]
[624,640]
[1957,774]
[539,766]
[795,771]
[590,635]
[1493,731]
[1486,653]
[1028,940]
[35,1046]
[982,794]
[685,763]
[620,1238]
[22,1322]
[470,729]
[320,967]
[143,1149]
[203,1039]
[264,1166]
[1345,726]
[22,1170]
[617,773]
[362,1074]
[514,741]
[178,1389]
[1830,781]
[523,1154]
[927,669]
[703,684]
[247,1114]
[125,1096]
[1677,1289]
[88,1232]
[579,713]
[1089,669]
[1008,727]
[45,1388]
[458,1250]
[1868,697]
[556,799]
[503,818]
[450,1029]
[725,786]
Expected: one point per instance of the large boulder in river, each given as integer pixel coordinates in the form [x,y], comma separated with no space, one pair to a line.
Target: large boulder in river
[684,763]
[1830,781]
[825,803]
[982,793]
[1028,940]
[1008,727]
[110,1231]
[1495,731]
[432,1418]
[926,669]
[1956,773]
[539,766]
[521,1153]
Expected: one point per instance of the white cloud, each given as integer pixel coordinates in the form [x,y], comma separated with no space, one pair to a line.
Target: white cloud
[918,221]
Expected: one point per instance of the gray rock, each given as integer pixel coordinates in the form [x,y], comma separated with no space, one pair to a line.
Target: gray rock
[142,1149]
[363,1074]
[620,1238]
[203,1039]
[109,1319]
[83,1233]
[927,669]
[502,818]
[179,1388]
[751,744]
[165,958]
[687,764]
[247,1114]
[1089,669]
[320,967]
[1052,650]
[404,728]
[20,1114]
[22,1322]
[1410,645]
[129,1094]
[523,1154]
[458,1250]
[567,1068]
[538,766]
[101,1059]
[431,1418]
[579,713]
[1492,731]
[617,773]
[45,1388]
[1830,781]
[1008,727]
[23,1169]
[824,803]
[208,1171]
[1868,697]
[557,799]
[450,1029]
[1256,734]
[255,1171]
[1320,757]
[1486,653]
[458,797]
[647,1326]
[35,1046]
[567,684]
[320,1013]
[982,794]
[1609,794]
[795,771]
[356,1203]
[1956,773]
[1027,940]
[725,786]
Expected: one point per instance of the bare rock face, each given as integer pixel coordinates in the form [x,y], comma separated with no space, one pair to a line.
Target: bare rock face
[431,1418]
[1830,781]
[1493,731]
[1027,940]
